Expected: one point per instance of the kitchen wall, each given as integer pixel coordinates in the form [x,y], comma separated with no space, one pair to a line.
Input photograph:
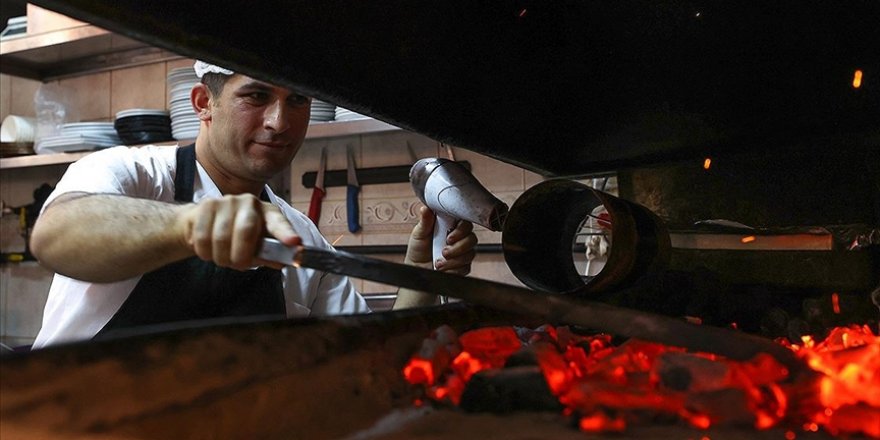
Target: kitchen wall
[387,211]
[95,97]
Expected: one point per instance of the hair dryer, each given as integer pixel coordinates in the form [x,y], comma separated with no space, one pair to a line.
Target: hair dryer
[454,194]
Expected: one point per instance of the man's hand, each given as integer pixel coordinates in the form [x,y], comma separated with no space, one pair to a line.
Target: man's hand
[229,230]
[127,236]
[458,253]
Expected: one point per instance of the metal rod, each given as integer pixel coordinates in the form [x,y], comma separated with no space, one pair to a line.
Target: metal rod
[554,308]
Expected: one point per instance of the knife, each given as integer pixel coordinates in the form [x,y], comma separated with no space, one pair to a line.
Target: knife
[318,193]
[352,198]
[552,307]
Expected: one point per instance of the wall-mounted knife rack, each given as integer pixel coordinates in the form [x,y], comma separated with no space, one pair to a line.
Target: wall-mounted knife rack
[365,176]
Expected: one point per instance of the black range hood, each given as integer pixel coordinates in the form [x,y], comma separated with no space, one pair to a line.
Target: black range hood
[561,88]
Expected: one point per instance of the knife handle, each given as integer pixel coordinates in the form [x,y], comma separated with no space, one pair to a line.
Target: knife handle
[353,209]
[315,204]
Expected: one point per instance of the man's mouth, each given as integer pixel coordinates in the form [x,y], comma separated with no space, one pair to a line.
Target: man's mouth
[273,144]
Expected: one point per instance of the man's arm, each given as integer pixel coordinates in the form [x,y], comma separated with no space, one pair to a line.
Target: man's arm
[108,238]
[457,256]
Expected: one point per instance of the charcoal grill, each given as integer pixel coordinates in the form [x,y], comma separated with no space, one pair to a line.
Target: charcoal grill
[648,89]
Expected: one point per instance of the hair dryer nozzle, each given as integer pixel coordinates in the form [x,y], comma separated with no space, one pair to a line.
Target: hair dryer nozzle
[449,188]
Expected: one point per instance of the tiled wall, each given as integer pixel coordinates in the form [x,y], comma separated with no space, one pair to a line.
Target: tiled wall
[388,211]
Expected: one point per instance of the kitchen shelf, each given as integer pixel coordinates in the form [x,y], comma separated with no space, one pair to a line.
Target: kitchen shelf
[40,160]
[74,51]
[318,130]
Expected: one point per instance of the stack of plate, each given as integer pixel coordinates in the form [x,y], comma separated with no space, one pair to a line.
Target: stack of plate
[15,26]
[322,111]
[184,121]
[143,126]
[348,115]
[80,136]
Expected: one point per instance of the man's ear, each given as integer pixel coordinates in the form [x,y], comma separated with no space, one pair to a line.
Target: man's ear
[201,101]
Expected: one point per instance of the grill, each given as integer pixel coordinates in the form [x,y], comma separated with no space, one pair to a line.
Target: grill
[705,111]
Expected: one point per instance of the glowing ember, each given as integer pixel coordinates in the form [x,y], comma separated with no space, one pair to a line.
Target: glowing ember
[857,79]
[608,387]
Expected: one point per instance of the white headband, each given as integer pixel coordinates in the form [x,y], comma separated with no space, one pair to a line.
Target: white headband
[202,68]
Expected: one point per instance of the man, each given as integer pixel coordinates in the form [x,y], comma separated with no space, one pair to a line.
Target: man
[154,235]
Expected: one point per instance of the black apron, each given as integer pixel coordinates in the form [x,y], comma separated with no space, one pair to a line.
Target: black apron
[193,289]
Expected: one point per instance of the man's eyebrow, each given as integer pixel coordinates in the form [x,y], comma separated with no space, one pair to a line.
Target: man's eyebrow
[255,85]
[263,87]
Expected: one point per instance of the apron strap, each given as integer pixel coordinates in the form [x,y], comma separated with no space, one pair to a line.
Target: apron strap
[184,179]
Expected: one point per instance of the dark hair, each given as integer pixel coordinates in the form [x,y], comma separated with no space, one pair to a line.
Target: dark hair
[215,82]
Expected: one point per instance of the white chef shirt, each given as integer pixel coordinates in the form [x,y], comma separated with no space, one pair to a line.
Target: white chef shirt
[78,310]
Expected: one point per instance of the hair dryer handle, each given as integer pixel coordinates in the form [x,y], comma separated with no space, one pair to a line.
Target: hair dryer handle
[443,225]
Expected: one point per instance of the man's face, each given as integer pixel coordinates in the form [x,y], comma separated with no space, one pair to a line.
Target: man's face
[255,128]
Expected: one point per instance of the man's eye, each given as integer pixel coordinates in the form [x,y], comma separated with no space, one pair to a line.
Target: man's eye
[257,96]
[298,100]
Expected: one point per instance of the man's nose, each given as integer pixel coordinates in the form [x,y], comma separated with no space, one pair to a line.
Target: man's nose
[276,117]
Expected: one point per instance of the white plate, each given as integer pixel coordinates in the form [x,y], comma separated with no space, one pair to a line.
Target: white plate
[68,148]
[179,99]
[180,89]
[181,109]
[86,124]
[141,112]
[180,83]
[184,115]
[65,129]
[67,137]
[182,73]
[57,144]
[353,117]
[186,135]
[77,130]
[107,133]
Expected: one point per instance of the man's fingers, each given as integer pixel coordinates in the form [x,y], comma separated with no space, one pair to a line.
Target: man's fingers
[460,247]
[278,226]
[229,231]
[247,232]
[424,230]
[222,232]
[202,228]
[460,264]
[462,230]
[459,251]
